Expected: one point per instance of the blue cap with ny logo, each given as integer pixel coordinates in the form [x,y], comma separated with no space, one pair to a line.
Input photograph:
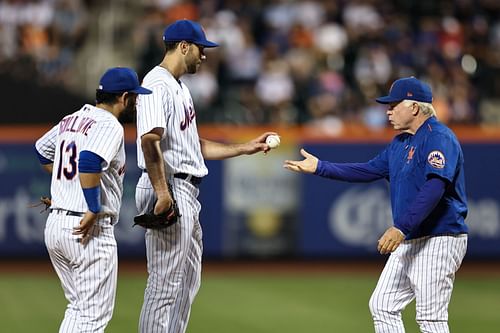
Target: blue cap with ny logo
[121,79]
[188,31]
[407,88]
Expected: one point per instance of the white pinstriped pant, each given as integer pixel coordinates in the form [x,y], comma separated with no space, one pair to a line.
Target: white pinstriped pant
[174,261]
[422,269]
[88,272]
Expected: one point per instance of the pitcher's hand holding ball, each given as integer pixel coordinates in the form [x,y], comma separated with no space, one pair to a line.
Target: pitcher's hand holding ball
[273,141]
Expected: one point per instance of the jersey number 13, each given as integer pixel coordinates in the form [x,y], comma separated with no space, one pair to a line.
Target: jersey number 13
[70,168]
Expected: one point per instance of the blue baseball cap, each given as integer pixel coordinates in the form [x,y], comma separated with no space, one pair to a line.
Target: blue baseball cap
[120,80]
[189,31]
[407,88]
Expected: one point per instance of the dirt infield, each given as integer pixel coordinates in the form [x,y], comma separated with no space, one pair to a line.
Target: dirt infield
[475,268]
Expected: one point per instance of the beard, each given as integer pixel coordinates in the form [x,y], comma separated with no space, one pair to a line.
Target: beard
[192,68]
[192,64]
[128,114]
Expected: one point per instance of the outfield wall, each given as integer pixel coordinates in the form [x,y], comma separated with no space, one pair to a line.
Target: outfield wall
[252,207]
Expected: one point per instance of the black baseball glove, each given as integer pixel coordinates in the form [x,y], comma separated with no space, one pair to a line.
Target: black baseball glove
[160,221]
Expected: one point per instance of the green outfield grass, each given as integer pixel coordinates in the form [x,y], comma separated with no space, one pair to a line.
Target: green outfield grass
[251,303]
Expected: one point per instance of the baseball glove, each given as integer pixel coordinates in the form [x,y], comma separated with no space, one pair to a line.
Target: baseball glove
[43,201]
[160,221]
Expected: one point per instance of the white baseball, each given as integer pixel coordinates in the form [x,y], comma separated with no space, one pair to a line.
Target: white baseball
[273,141]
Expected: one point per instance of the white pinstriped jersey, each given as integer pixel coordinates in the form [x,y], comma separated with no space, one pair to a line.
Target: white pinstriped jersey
[95,130]
[171,108]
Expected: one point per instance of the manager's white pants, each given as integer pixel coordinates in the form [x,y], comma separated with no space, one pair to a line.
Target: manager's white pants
[422,269]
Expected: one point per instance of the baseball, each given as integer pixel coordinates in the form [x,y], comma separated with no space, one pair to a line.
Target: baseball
[273,141]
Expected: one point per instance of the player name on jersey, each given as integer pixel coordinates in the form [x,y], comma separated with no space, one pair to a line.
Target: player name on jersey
[69,124]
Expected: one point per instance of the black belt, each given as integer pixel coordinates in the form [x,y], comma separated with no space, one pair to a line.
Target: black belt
[184,176]
[66,212]
[190,178]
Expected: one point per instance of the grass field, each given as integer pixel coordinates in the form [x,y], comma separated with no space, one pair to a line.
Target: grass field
[251,303]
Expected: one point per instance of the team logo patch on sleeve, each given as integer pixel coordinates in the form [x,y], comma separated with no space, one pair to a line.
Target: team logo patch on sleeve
[436,159]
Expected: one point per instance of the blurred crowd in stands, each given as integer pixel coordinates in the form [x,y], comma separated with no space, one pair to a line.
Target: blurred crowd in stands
[39,38]
[314,62]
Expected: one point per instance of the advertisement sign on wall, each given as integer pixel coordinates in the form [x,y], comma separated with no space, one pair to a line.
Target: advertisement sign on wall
[252,207]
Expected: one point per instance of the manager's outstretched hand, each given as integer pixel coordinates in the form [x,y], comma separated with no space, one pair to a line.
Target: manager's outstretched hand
[307,165]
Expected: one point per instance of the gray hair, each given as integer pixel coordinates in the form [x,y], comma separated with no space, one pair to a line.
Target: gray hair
[426,108]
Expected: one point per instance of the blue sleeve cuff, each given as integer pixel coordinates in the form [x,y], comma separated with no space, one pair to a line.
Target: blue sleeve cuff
[89,162]
[93,198]
[43,160]
[319,168]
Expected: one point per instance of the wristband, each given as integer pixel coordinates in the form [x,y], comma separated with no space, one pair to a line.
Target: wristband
[93,198]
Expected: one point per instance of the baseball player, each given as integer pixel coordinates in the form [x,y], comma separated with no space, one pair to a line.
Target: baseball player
[424,165]
[85,154]
[170,151]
